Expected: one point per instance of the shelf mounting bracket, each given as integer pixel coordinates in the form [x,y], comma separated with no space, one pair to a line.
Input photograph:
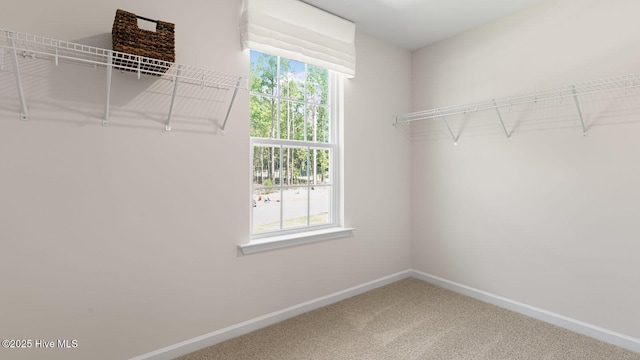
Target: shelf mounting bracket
[233,99]
[176,81]
[455,138]
[575,98]
[105,119]
[506,133]
[24,114]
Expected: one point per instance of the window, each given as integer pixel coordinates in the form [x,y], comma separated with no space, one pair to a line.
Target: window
[293,147]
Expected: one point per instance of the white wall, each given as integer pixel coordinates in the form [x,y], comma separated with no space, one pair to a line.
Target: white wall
[550,218]
[125,238]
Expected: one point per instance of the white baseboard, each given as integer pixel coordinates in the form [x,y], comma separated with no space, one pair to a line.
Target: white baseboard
[577,326]
[206,340]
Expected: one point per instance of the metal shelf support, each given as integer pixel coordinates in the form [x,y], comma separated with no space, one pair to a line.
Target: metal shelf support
[575,99]
[105,119]
[24,114]
[455,138]
[506,133]
[233,99]
[176,81]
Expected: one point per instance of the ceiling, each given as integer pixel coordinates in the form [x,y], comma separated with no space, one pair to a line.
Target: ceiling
[413,24]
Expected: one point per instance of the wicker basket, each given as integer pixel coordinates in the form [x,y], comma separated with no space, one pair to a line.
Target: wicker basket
[129,38]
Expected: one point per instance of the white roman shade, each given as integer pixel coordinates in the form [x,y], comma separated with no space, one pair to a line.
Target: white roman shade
[298,31]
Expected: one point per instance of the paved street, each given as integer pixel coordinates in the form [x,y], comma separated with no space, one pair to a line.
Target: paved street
[294,202]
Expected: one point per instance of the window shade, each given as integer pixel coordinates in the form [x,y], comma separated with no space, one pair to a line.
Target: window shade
[298,31]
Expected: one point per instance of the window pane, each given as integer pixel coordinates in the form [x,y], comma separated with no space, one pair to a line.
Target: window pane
[292,79]
[295,166]
[317,85]
[318,120]
[264,112]
[294,207]
[266,210]
[266,165]
[320,166]
[320,203]
[264,73]
[291,182]
[291,120]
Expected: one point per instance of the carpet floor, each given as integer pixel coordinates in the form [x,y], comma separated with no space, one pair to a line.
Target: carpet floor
[411,320]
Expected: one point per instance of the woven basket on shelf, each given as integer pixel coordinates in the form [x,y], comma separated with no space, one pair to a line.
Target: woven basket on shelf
[129,38]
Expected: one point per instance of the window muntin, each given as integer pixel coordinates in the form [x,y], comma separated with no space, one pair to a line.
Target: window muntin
[293,146]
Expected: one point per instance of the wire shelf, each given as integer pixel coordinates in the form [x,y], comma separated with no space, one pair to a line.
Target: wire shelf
[59,50]
[40,47]
[574,91]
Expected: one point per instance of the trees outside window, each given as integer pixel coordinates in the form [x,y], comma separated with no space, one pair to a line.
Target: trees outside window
[292,145]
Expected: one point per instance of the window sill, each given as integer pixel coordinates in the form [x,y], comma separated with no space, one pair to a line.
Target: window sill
[278,242]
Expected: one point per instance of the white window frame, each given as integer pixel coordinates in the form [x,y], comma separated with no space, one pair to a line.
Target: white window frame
[311,233]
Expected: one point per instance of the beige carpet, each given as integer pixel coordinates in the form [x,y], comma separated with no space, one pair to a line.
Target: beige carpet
[407,320]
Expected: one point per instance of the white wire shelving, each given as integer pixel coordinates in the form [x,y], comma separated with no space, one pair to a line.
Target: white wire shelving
[17,44]
[621,82]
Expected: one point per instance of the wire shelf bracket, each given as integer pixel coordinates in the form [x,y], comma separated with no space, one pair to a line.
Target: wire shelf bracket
[105,118]
[176,82]
[455,138]
[39,47]
[575,99]
[233,99]
[24,114]
[506,132]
